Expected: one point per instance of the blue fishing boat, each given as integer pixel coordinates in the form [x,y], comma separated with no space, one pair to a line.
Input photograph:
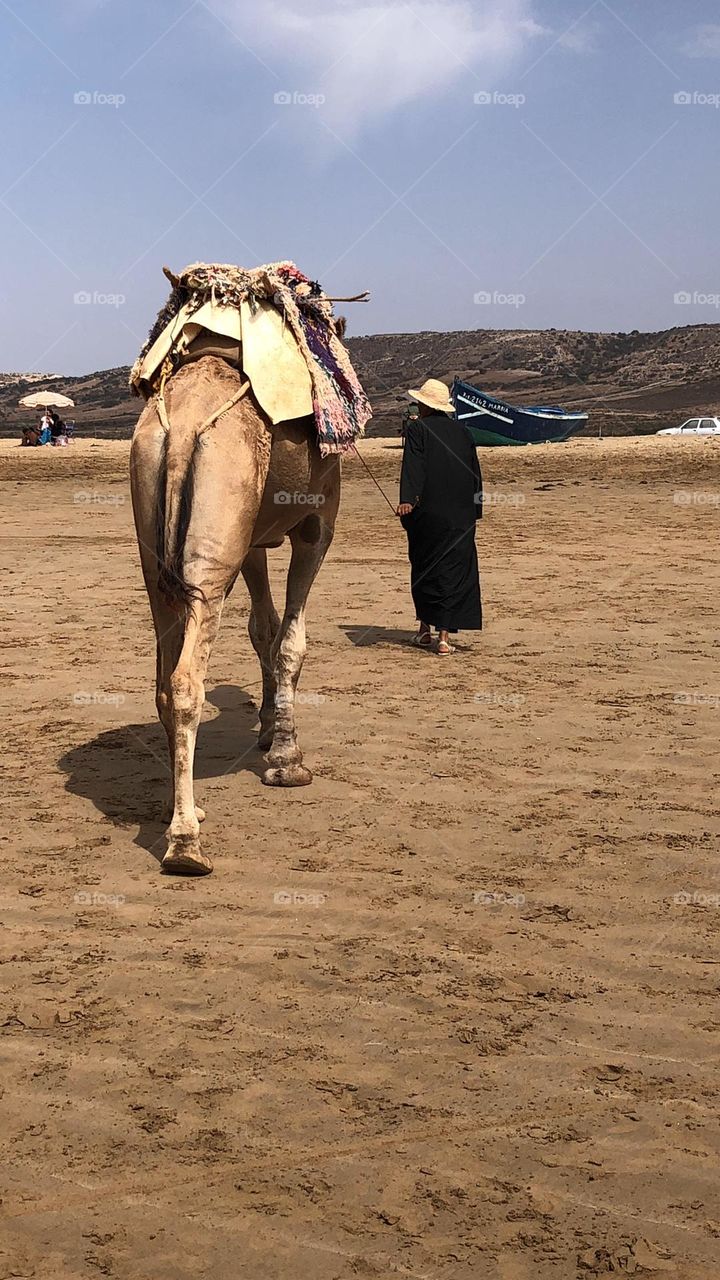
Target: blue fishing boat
[491,422]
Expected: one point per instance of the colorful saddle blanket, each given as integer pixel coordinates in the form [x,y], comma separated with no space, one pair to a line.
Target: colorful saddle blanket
[280,323]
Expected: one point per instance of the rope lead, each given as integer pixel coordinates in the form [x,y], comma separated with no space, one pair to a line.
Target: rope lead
[375,482]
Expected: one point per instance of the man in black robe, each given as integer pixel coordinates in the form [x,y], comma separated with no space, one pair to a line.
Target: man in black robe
[440,500]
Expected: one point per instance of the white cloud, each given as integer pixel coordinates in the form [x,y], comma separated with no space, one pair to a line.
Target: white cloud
[368,58]
[704,42]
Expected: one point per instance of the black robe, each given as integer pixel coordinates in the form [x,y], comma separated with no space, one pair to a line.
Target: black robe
[441,478]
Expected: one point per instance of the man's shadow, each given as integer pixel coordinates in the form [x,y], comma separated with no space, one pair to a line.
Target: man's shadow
[362,637]
[125,771]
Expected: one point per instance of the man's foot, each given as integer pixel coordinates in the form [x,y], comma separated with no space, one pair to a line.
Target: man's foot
[422,640]
[444,647]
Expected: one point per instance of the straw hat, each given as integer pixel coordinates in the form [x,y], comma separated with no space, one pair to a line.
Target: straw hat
[435,395]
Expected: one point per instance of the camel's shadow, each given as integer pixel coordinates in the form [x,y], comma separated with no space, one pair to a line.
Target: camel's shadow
[125,770]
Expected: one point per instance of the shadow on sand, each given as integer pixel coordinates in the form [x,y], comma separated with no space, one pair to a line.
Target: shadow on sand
[362,637]
[124,770]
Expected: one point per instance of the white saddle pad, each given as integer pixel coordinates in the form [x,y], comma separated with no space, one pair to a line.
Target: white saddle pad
[271,359]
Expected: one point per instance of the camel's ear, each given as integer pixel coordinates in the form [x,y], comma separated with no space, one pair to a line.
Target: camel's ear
[341,326]
[174,280]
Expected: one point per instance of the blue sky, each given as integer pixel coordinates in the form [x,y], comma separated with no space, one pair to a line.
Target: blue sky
[576,192]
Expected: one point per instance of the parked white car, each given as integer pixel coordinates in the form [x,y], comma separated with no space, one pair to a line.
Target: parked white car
[694,427]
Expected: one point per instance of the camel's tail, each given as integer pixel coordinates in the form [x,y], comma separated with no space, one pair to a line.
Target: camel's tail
[176,481]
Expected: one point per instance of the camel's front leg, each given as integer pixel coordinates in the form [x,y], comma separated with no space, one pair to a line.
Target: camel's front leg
[310,542]
[263,628]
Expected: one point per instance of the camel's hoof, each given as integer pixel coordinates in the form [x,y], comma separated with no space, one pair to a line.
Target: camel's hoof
[184,858]
[287,775]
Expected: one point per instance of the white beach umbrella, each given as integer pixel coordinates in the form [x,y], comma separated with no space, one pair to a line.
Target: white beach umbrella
[46,399]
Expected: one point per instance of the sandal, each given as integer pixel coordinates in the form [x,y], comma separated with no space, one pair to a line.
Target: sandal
[423,640]
[444,648]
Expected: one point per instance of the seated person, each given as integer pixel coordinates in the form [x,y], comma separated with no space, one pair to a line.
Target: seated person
[30,435]
[57,429]
[45,430]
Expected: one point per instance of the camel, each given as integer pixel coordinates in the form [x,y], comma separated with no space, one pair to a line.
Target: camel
[208,501]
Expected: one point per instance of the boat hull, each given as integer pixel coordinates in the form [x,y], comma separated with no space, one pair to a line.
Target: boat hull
[491,422]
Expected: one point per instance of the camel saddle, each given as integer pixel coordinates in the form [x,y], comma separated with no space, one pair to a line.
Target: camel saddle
[256,340]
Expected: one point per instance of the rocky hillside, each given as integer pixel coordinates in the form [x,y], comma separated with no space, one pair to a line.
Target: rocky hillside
[628,382]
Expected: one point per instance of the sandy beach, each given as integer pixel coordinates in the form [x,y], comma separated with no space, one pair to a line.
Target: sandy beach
[451,1013]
